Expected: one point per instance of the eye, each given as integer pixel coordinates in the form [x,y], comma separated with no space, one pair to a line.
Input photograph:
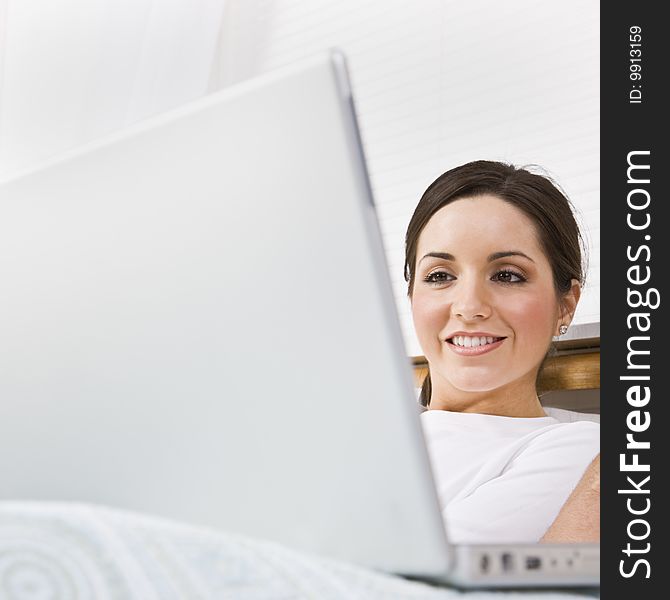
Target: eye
[438,277]
[508,276]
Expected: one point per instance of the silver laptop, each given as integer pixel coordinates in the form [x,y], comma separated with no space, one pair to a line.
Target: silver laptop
[197,322]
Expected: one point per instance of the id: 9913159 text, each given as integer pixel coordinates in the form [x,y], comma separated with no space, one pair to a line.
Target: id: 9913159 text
[635,64]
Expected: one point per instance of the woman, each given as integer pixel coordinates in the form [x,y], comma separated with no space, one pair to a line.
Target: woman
[494,269]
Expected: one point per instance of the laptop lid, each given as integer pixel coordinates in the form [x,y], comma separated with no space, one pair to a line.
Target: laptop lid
[197,322]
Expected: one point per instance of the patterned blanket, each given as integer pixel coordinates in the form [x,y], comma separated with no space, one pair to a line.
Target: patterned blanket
[71,551]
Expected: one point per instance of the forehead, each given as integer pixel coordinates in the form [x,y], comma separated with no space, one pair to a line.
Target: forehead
[484,222]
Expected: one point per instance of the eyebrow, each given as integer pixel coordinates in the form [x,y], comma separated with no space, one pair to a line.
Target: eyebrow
[498,255]
[489,258]
[442,255]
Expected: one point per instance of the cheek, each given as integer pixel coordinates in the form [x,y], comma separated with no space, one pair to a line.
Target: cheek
[534,316]
[429,315]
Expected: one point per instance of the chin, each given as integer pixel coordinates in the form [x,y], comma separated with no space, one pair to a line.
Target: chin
[482,378]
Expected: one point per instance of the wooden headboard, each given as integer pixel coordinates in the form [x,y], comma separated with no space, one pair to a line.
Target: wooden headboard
[573,368]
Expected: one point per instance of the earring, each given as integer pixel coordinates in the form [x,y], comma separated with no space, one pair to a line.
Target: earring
[563,329]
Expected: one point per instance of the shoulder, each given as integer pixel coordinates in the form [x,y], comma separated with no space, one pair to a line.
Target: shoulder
[578,432]
[570,416]
[586,430]
[564,445]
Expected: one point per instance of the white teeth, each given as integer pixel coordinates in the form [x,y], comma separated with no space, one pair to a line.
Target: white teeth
[471,342]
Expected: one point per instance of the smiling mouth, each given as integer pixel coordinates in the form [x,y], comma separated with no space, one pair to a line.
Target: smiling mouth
[466,341]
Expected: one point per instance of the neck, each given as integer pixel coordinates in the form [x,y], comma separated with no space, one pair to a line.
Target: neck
[516,399]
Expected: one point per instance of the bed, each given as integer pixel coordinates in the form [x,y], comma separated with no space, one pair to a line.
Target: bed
[73,551]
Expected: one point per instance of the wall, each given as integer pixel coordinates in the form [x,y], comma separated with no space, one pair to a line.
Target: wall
[439,83]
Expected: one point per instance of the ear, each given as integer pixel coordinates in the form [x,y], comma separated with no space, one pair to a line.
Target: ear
[568,304]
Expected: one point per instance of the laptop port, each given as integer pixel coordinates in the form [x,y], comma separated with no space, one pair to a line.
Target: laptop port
[484,563]
[533,563]
[507,562]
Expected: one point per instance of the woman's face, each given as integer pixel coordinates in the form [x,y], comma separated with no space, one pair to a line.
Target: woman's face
[484,303]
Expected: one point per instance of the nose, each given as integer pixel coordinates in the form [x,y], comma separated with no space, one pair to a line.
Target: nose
[471,301]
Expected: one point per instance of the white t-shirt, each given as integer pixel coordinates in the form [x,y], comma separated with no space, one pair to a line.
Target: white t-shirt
[504,479]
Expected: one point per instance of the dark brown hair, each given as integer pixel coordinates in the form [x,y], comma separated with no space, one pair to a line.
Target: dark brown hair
[537,196]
